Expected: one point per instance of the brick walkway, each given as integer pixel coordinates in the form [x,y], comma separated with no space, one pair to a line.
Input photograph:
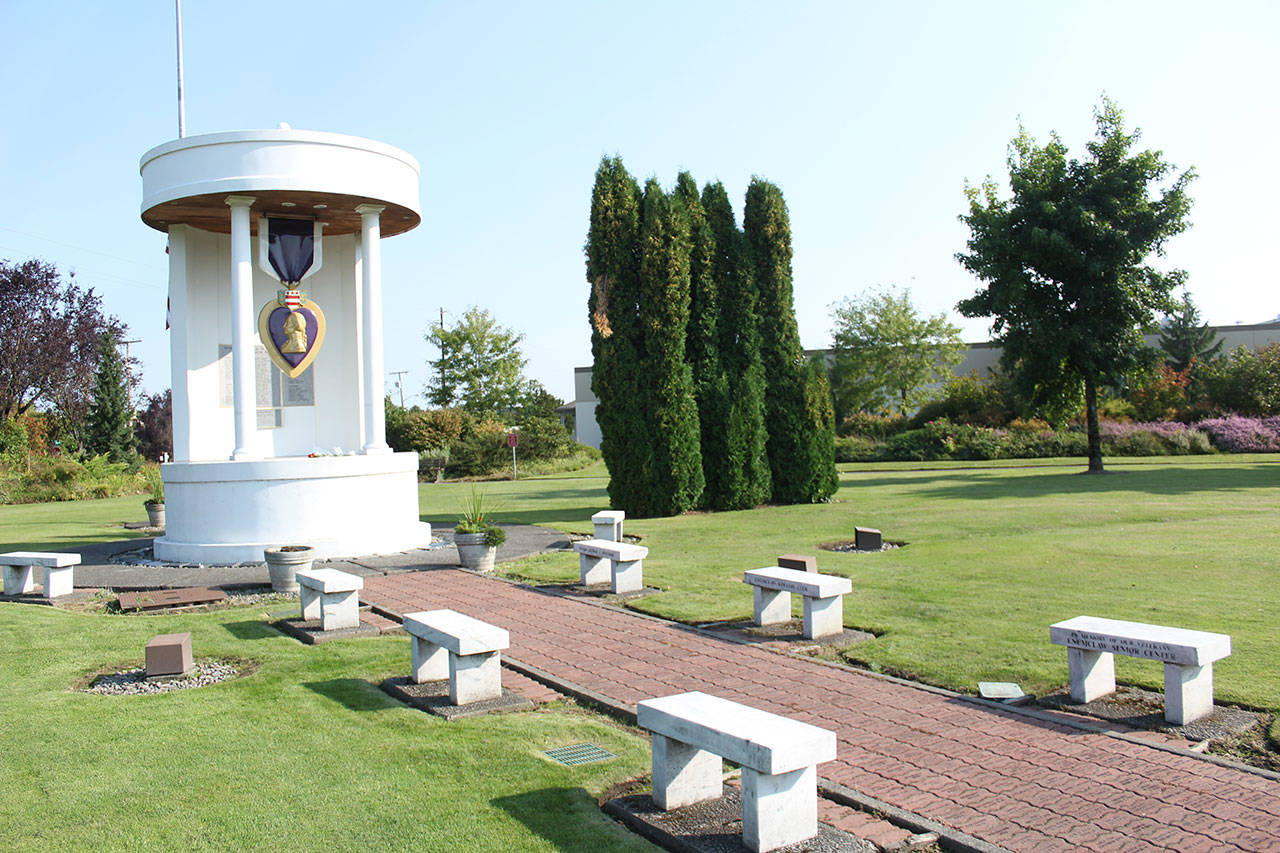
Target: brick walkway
[1004,778]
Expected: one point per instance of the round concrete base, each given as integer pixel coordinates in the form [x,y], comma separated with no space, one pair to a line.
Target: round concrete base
[220,513]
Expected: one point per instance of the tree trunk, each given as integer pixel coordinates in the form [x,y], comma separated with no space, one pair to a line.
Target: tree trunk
[1091,421]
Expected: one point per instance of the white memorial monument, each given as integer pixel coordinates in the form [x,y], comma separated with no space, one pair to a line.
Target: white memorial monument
[275,291]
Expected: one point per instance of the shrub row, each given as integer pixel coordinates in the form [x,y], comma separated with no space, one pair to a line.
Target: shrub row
[942,439]
[64,478]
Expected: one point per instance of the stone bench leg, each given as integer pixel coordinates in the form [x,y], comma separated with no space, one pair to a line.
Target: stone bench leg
[628,576]
[474,678]
[427,661]
[683,774]
[310,599]
[339,610]
[1188,693]
[780,809]
[58,581]
[823,617]
[772,605]
[593,569]
[18,580]
[1093,674]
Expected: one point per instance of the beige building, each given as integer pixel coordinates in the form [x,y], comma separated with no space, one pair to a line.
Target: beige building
[981,357]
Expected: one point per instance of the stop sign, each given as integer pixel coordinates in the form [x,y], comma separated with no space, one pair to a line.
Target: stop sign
[511,439]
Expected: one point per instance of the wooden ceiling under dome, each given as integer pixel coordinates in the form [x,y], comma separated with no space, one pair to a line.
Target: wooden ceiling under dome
[211,213]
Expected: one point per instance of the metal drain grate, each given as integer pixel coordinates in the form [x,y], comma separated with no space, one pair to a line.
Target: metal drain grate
[579,753]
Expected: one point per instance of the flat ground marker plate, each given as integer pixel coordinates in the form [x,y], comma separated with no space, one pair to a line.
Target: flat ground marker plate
[579,753]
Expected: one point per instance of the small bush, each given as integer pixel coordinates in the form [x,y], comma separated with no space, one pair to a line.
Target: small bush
[858,448]
[482,449]
[542,438]
[869,425]
[13,442]
[965,399]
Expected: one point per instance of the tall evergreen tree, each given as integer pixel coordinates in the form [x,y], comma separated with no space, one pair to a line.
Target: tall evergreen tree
[613,269]
[109,429]
[741,479]
[674,480]
[702,344]
[1183,338]
[798,462]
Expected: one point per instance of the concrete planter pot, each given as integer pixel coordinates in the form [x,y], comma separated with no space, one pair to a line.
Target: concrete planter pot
[155,513]
[284,562]
[473,553]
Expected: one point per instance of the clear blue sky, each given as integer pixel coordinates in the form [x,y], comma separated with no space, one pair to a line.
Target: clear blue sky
[870,117]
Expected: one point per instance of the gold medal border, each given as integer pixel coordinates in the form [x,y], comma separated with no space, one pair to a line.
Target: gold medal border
[264,332]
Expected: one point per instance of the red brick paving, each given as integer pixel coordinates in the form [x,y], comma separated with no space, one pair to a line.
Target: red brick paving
[1005,778]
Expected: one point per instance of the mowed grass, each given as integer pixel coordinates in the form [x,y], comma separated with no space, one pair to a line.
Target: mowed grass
[994,556]
[306,753]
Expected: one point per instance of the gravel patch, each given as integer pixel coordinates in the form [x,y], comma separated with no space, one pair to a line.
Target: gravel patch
[851,547]
[134,681]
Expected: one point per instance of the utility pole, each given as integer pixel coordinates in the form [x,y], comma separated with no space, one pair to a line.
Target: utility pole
[129,380]
[442,349]
[399,383]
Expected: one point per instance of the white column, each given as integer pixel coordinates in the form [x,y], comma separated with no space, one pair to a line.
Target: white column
[178,343]
[375,440]
[244,391]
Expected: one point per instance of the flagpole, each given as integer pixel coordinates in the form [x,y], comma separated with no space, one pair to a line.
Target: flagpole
[182,109]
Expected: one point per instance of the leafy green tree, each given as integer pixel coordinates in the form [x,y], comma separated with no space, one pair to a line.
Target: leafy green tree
[1184,340]
[802,470]
[674,478]
[741,479]
[885,352]
[109,429]
[480,365]
[1064,260]
[1246,381]
[617,342]
[702,343]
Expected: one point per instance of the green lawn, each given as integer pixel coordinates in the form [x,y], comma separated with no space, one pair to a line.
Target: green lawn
[995,555]
[306,753]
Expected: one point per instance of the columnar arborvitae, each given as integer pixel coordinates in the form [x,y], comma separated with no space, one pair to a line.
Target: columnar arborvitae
[803,470]
[702,344]
[674,479]
[743,479]
[617,343]
[109,429]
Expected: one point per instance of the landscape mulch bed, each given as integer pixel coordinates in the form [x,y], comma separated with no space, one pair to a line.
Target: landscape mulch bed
[601,591]
[310,632]
[715,826]
[788,636]
[1144,709]
[433,697]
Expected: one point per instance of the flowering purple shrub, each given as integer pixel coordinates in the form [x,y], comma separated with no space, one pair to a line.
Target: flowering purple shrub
[1154,438]
[1237,434]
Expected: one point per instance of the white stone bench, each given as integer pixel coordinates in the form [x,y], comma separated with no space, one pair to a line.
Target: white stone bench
[57,569]
[452,645]
[608,524]
[823,598]
[1188,657]
[779,758]
[625,567]
[331,596]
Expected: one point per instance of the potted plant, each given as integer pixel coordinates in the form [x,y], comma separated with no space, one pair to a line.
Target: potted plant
[476,537]
[284,562]
[155,504]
